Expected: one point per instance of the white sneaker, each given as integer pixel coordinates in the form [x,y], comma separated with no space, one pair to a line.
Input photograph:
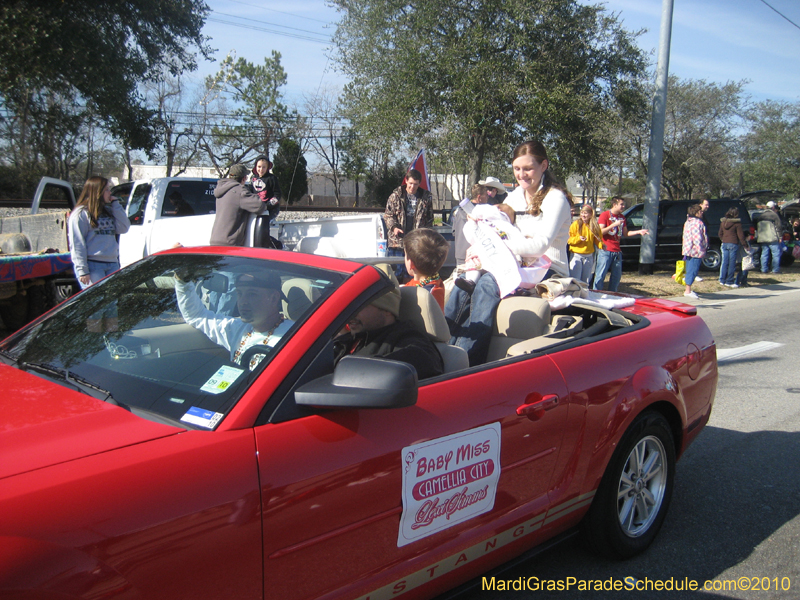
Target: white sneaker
[698,279]
[733,285]
[691,295]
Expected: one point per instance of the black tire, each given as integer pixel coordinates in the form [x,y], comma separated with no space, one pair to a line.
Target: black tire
[14,311]
[37,301]
[713,259]
[634,495]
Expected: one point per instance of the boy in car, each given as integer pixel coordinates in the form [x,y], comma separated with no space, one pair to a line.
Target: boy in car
[425,253]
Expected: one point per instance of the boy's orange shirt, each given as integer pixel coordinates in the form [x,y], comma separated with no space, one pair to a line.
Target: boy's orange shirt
[435,287]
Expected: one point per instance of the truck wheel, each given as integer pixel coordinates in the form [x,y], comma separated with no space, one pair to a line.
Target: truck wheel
[713,259]
[57,292]
[37,301]
[14,311]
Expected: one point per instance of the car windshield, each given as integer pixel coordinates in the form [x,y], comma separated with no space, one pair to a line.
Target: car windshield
[175,338]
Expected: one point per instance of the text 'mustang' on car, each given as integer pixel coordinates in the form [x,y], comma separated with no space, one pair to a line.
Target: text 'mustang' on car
[149,452]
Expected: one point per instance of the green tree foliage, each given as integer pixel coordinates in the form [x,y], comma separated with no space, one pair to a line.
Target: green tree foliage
[489,73]
[771,149]
[384,180]
[101,49]
[43,132]
[257,116]
[39,135]
[355,165]
[700,136]
[290,168]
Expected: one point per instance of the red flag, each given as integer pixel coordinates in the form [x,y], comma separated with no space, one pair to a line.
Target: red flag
[420,165]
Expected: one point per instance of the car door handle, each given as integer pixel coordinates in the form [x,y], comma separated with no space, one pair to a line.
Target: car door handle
[535,410]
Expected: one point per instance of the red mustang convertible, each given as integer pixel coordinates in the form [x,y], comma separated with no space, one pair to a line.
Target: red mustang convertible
[147,451]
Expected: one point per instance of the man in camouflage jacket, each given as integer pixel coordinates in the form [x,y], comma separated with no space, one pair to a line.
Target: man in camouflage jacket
[409,207]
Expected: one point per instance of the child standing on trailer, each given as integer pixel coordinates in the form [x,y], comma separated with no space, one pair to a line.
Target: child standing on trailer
[266,185]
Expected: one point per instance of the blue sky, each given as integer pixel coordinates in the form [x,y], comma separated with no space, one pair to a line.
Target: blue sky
[715,40]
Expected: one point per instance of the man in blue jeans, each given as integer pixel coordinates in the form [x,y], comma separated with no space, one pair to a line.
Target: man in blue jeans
[770,231]
[609,257]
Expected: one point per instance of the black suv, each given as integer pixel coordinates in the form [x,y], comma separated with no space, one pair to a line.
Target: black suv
[671,217]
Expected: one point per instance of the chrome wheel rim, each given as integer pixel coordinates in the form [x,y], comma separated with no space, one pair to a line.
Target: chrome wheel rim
[712,260]
[642,486]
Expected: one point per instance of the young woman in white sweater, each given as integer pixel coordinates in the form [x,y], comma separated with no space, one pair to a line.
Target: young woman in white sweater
[543,216]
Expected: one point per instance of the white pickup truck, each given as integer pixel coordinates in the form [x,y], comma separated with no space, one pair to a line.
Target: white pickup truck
[171,210]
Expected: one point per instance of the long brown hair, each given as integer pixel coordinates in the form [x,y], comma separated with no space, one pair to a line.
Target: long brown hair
[537,150]
[91,198]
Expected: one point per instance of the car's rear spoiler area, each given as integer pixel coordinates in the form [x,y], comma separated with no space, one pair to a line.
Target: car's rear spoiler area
[671,305]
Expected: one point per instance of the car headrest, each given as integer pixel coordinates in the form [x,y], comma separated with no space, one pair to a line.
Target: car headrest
[298,295]
[418,306]
[522,317]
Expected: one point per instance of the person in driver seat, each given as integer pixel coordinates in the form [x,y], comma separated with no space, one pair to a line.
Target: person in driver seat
[260,322]
[377,331]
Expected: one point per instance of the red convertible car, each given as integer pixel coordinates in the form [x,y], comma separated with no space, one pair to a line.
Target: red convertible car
[143,457]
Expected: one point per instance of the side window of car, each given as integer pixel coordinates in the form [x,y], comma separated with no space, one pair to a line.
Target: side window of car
[138,203]
[635,218]
[676,215]
[189,198]
[316,363]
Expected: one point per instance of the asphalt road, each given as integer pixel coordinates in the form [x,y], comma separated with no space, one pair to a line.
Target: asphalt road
[735,514]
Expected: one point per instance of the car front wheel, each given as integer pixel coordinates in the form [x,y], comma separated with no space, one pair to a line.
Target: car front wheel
[713,259]
[634,495]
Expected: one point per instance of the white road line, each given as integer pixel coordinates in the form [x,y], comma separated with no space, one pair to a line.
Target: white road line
[720,303]
[729,354]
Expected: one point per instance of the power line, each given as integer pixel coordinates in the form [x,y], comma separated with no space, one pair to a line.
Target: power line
[249,20]
[272,10]
[780,13]
[272,31]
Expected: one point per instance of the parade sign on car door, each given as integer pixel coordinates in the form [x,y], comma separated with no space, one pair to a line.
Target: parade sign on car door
[448,480]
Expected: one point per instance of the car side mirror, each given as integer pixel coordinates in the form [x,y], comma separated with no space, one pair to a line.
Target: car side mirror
[362,382]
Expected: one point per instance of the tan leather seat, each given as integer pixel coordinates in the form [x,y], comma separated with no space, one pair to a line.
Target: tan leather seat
[418,306]
[518,318]
[299,294]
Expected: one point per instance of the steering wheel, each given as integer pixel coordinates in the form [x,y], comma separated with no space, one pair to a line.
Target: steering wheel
[261,350]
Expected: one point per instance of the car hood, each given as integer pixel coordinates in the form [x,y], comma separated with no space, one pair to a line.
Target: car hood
[43,424]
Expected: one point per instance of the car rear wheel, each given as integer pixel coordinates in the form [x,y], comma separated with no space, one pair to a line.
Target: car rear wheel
[713,259]
[633,498]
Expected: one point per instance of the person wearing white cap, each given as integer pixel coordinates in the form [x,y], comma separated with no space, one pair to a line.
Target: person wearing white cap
[769,231]
[494,189]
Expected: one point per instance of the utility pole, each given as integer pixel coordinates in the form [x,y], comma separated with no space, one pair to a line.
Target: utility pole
[656,153]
